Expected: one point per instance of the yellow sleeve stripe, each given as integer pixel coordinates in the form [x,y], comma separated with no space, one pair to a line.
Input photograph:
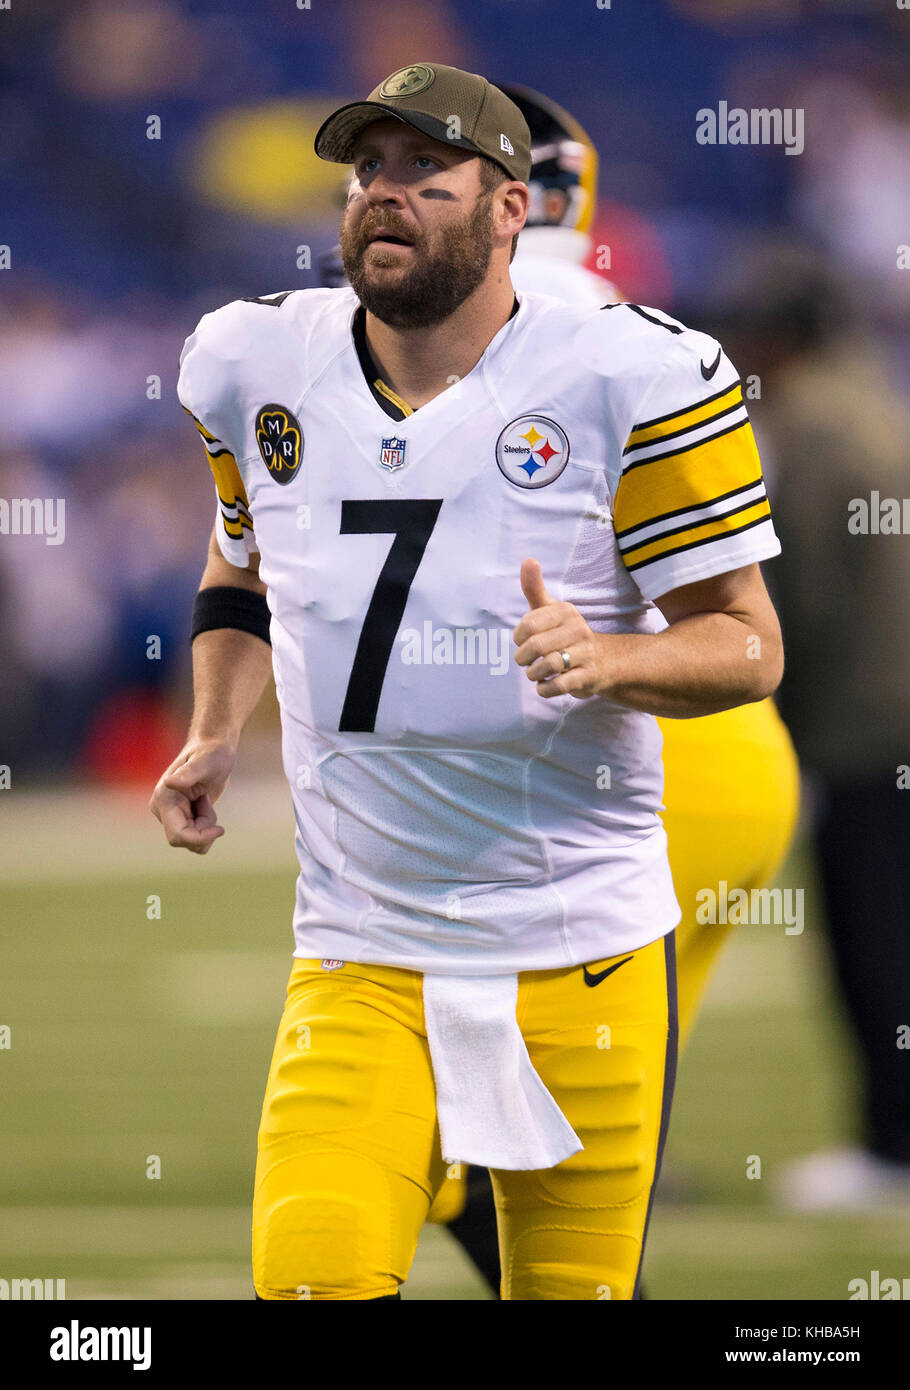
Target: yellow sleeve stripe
[225,471]
[228,480]
[696,526]
[686,478]
[208,437]
[204,432]
[235,506]
[720,529]
[666,426]
[236,528]
[711,506]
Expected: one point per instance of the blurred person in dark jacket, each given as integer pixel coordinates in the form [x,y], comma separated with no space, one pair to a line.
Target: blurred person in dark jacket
[835,433]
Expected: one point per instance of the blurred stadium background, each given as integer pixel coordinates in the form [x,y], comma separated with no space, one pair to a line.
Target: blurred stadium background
[134,1036]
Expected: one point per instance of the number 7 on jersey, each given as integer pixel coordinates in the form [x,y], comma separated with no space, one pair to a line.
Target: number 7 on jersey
[412,523]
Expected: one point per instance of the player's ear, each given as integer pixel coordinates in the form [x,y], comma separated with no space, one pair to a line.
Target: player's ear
[513,201]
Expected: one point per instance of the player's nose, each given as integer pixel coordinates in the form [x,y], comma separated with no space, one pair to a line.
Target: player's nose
[384,189]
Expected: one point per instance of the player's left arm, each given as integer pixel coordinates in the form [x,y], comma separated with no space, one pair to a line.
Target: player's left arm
[690,521]
[722,648]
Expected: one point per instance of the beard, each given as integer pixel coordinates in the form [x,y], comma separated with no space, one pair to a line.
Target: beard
[436,284]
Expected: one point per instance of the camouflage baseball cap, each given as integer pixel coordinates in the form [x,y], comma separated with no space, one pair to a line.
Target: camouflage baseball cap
[455,107]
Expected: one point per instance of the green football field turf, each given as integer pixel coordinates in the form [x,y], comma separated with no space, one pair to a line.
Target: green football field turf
[133,1038]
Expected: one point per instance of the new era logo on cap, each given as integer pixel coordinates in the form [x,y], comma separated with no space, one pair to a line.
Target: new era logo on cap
[505,144]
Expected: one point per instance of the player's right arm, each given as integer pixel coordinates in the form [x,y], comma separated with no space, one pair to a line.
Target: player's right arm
[231,651]
[230,671]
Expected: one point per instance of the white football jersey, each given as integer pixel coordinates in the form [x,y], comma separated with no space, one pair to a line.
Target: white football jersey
[449,819]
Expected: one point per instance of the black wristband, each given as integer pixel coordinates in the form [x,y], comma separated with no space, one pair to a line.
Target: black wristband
[227,606]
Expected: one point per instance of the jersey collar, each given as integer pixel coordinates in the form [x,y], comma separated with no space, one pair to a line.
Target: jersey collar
[393,404]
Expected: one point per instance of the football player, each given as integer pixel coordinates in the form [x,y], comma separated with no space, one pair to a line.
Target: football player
[412,474]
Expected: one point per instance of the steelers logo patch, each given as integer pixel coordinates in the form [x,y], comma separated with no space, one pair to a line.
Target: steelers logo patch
[280,441]
[407,82]
[532,451]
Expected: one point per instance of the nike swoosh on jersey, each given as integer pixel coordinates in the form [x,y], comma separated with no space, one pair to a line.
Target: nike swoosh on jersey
[708,372]
[593,980]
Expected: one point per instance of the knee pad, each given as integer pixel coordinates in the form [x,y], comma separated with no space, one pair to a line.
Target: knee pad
[331,1225]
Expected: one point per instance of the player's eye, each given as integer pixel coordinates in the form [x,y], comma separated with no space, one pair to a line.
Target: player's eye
[425,160]
[366,166]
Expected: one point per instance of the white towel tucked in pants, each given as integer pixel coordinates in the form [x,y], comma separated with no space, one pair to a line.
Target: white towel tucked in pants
[493,1108]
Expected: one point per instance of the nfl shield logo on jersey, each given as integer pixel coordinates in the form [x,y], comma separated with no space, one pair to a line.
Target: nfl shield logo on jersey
[391,454]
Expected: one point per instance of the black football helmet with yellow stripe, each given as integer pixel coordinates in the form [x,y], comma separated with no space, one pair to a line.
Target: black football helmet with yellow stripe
[563,178]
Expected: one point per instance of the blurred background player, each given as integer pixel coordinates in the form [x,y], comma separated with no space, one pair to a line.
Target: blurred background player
[731,779]
[826,398]
[555,245]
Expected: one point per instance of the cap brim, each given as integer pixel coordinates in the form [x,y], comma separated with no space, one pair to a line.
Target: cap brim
[336,137]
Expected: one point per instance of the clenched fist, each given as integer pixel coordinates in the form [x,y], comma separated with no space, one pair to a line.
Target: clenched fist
[185,795]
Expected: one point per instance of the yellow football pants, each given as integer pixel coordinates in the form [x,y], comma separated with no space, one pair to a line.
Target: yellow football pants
[349,1152]
[732,798]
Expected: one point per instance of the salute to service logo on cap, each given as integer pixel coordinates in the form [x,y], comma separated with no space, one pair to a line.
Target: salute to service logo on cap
[458,108]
